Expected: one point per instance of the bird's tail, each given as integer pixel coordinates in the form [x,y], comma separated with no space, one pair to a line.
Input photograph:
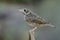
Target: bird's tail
[49,25]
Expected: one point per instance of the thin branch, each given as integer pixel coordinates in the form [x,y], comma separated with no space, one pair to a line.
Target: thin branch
[31,34]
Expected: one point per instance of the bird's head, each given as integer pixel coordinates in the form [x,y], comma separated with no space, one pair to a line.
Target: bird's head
[24,11]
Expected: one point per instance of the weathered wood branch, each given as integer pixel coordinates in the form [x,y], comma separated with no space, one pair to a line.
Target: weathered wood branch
[31,34]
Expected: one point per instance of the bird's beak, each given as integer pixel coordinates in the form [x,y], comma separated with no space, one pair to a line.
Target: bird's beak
[21,11]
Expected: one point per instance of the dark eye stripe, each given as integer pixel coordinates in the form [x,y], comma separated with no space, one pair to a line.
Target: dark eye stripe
[26,11]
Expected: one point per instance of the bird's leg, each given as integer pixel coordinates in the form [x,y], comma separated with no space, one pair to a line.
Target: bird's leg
[31,34]
[32,30]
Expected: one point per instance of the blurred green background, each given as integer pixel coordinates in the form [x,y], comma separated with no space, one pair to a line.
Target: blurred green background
[13,26]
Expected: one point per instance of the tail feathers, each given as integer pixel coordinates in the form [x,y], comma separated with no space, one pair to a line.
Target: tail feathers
[49,25]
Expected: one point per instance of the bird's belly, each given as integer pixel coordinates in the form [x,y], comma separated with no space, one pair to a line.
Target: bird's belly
[33,24]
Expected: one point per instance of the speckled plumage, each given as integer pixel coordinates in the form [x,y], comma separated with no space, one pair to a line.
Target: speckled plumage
[33,19]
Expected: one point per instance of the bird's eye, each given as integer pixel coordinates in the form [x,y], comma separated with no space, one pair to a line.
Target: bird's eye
[26,11]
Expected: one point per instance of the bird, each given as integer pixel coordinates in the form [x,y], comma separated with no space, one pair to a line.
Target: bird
[33,19]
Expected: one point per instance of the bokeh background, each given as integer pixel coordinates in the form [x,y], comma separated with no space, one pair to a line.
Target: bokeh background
[13,26]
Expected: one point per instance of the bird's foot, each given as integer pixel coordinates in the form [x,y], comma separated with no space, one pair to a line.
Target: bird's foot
[32,30]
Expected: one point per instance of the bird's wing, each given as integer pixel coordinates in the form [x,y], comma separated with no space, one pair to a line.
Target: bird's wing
[39,20]
[38,17]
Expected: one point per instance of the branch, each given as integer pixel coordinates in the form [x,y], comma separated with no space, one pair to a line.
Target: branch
[31,34]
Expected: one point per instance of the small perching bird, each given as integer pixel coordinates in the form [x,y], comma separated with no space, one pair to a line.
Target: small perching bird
[34,20]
